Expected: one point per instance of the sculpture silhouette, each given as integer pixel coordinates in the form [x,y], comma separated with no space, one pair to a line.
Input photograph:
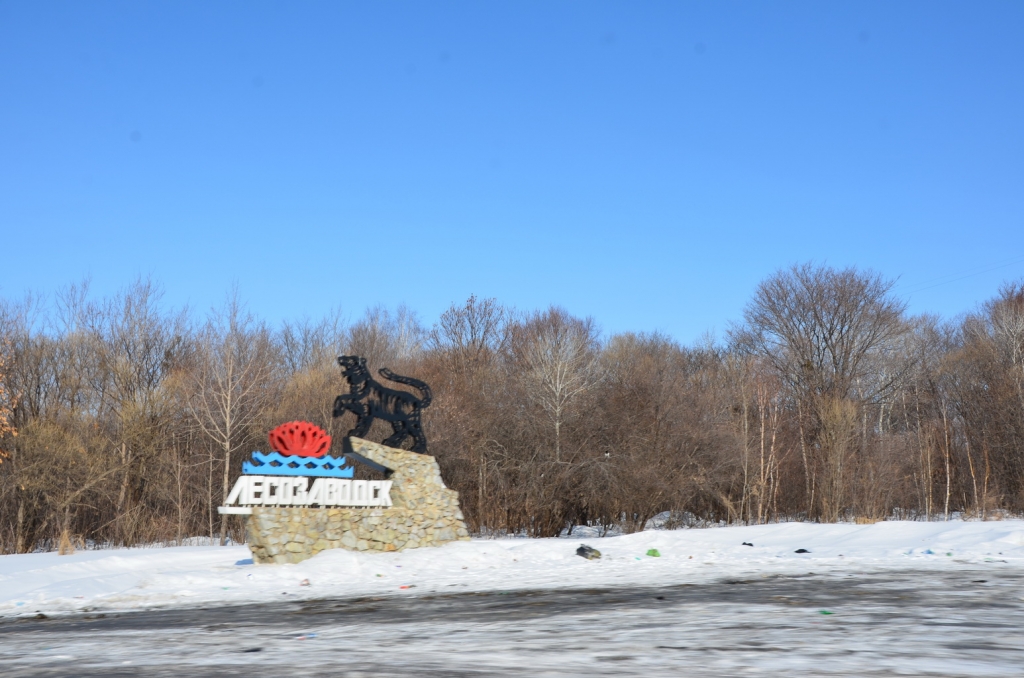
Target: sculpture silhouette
[369,400]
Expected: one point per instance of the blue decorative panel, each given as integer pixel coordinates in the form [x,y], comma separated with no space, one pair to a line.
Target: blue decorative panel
[276,464]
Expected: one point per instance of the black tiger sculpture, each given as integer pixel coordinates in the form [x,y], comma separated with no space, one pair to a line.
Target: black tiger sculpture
[369,400]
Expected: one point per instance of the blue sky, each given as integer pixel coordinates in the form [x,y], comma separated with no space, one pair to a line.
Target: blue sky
[643,163]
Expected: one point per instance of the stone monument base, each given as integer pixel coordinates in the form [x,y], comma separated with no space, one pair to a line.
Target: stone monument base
[423,513]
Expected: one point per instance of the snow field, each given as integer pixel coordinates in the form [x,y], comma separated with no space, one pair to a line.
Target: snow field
[190,576]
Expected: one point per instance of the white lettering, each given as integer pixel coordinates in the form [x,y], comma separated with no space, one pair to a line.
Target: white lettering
[238,492]
[316,493]
[285,491]
[256,489]
[299,491]
[359,493]
[272,494]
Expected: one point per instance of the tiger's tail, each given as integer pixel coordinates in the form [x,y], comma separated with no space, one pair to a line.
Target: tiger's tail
[426,395]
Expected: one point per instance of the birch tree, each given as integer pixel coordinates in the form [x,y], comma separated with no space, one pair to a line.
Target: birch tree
[558,358]
[231,383]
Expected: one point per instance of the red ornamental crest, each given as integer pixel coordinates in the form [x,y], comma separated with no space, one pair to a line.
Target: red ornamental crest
[300,438]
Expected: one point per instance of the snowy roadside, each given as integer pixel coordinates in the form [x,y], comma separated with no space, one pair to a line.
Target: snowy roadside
[190,576]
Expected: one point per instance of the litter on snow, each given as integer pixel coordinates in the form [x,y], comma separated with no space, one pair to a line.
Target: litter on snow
[190,576]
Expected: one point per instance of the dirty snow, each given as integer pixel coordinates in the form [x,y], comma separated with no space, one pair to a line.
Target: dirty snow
[190,576]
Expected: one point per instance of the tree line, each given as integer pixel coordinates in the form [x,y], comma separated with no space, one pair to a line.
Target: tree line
[124,422]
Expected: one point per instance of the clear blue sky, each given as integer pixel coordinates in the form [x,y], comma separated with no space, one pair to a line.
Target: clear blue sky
[644,163]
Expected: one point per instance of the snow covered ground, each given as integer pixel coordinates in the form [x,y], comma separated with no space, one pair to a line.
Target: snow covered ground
[174,577]
[941,623]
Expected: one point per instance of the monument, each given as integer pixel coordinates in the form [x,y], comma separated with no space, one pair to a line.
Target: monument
[302,500]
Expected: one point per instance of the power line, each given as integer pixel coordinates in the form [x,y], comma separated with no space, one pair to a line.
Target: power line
[934,282]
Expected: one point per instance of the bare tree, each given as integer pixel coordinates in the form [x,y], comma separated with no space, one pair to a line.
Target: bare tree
[987,376]
[820,328]
[8,399]
[470,334]
[134,345]
[384,338]
[768,399]
[231,382]
[465,345]
[1006,314]
[558,358]
[828,404]
[309,343]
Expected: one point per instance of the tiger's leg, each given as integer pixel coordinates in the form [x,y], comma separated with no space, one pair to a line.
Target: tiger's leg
[364,420]
[415,429]
[343,404]
[398,436]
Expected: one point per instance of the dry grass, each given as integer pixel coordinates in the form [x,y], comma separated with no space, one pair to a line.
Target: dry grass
[65,546]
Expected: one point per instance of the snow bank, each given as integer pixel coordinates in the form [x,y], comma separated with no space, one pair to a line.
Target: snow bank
[189,576]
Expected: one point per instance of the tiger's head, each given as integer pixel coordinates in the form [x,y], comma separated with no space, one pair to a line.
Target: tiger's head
[353,368]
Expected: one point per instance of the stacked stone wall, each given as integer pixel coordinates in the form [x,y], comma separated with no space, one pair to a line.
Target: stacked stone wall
[424,513]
